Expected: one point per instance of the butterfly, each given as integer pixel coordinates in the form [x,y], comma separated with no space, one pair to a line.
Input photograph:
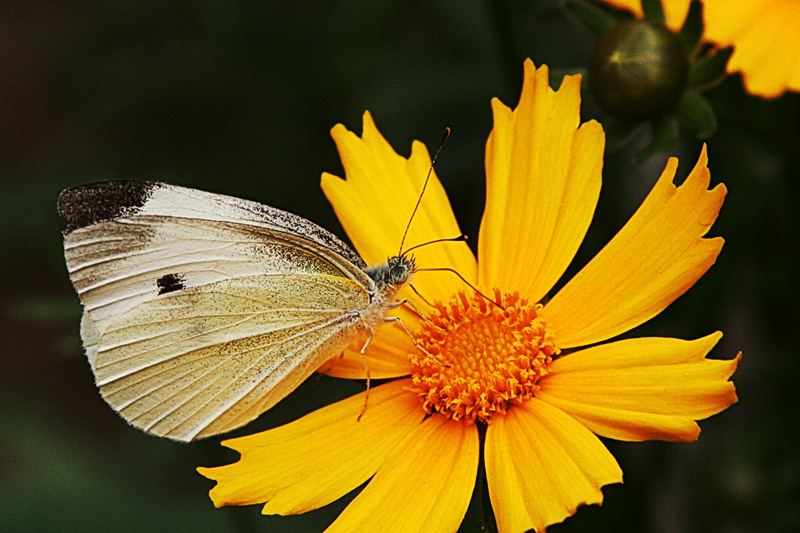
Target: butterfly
[202,311]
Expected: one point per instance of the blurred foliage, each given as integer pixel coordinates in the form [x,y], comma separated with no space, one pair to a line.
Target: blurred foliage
[238,98]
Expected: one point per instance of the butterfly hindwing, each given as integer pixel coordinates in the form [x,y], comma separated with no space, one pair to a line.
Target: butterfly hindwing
[203,361]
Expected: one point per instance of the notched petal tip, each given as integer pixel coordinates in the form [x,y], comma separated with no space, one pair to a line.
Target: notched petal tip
[317,459]
[643,389]
[368,126]
[338,130]
[376,199]
[543,173]
[655,258]
[542,465]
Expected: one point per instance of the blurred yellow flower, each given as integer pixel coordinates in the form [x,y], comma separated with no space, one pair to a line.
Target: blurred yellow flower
[765,35]
[502,369]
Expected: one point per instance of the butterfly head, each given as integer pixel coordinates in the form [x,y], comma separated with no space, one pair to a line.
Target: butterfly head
[401,269]
[394,273]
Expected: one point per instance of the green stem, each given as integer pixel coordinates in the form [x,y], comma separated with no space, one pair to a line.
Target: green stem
[489,524]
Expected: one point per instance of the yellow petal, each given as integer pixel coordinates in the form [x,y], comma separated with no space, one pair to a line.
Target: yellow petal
[424,485]
[674,10]
[541,465]
[319,458]
[386,355]
[375,202]
[642,389]
[543,177]
[766,48]
[653,260]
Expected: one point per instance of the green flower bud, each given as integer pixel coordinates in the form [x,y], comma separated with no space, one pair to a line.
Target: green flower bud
[638,70]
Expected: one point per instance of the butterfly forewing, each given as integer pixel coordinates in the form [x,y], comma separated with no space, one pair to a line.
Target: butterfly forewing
[202,310]
[118,263]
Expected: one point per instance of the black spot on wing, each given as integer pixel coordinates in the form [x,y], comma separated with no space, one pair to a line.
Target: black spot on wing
[170,283]
[85,205]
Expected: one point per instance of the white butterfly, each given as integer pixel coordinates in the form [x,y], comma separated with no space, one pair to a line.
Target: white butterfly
[202,311]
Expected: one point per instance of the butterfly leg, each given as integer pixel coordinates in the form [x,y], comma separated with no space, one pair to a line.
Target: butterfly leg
[408,303]
[420,347]
[400,321]
[366,369]
[416,309]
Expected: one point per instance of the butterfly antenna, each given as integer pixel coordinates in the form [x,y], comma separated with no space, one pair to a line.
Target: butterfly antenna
[462,278]
[424,186]
[460,238]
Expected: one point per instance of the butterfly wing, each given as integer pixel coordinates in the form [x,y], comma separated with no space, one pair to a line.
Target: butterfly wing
[129,241]
[138,250]
[206,360]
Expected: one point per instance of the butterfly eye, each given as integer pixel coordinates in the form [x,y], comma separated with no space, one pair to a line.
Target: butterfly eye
[399,273]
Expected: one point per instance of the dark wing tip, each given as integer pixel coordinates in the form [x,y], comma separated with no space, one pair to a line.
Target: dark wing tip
[89,204]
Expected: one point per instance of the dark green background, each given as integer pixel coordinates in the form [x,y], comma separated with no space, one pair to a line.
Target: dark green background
[239,98]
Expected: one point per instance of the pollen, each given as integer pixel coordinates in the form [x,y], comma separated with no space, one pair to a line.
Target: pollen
[481,358]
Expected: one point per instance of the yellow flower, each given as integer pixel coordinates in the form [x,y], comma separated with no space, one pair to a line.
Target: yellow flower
[764,34]
[505,369]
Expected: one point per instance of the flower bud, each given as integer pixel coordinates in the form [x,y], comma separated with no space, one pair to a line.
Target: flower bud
[638,70]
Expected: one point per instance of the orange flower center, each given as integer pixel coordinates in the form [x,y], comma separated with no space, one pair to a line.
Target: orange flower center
[484,357]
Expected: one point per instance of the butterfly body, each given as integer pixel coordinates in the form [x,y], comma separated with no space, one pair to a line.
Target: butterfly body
[201,311]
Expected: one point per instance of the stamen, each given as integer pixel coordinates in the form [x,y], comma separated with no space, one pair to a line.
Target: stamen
[490,356]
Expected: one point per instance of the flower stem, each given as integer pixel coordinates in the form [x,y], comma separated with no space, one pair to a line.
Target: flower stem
[489,524]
